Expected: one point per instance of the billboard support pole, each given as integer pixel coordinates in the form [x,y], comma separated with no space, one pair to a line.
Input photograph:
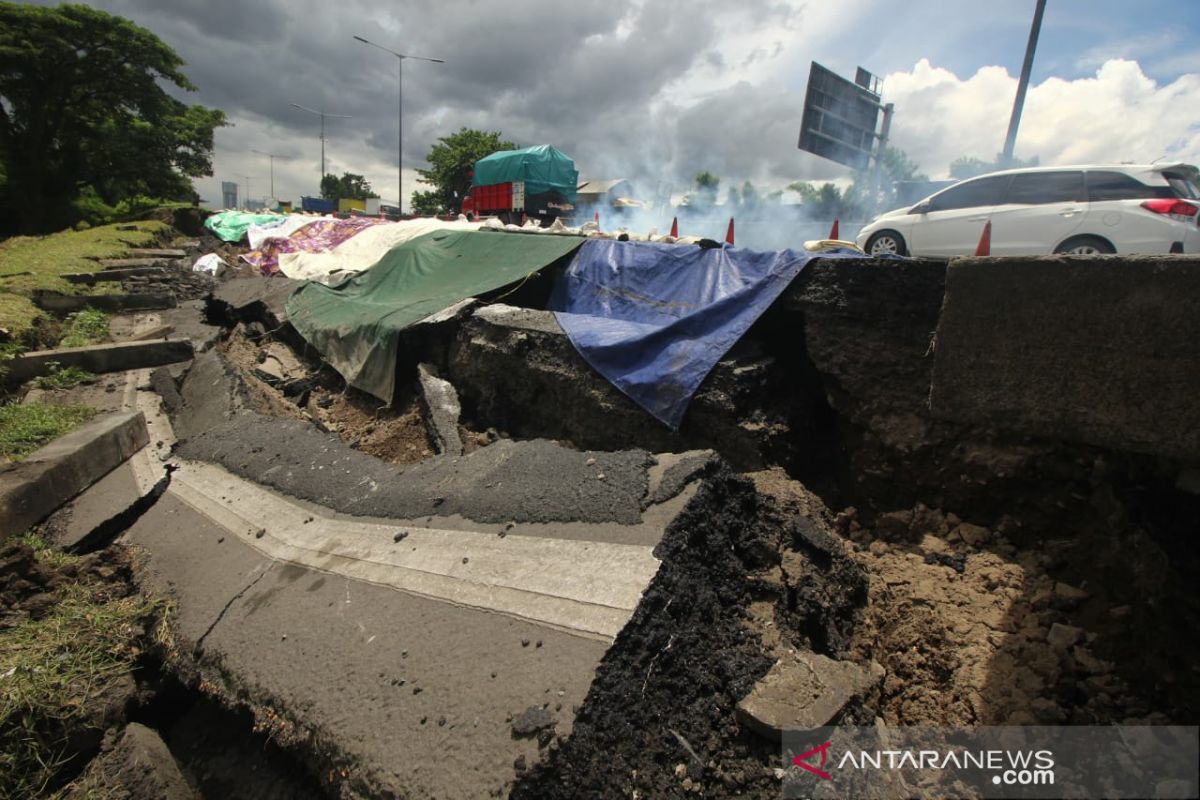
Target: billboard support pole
[880,153]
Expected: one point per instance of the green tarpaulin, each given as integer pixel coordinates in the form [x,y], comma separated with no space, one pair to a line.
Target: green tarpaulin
[356,325]
[542,167]
[230,226]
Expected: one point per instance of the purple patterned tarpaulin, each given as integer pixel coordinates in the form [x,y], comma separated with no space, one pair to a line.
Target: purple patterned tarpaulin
[322,235]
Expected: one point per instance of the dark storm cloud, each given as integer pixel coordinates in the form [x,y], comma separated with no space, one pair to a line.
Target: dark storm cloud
[593,78]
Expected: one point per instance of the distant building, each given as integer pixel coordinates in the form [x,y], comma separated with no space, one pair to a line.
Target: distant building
[229,194]
[602,193]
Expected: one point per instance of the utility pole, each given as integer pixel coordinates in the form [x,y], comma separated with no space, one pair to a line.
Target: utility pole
[399,113]
[1014,122]
[322,115]
[272,157]
[247,179]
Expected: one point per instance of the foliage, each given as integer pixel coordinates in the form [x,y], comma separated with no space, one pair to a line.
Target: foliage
[24,427]
[827,201]
[451,163]
[862,197]
[28,263]
[55,671]
[86,327]
[85,104]
[350,186]
[705,195]
[969,166]
[61,377]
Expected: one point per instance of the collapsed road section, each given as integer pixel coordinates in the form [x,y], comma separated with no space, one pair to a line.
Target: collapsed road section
[493,571]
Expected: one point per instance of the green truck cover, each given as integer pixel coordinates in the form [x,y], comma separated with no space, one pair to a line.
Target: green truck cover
[356,324]
[541,167]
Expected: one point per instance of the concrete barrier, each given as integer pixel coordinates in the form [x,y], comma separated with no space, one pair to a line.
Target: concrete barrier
[1099,351]
[64,303]
[101,357]
[32,489]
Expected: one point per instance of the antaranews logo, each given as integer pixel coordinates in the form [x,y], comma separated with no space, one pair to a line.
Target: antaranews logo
[1007,767]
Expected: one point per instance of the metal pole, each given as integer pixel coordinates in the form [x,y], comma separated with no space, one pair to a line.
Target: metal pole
[877,184]
[322,115]
[399,110]
[1014,122]
[400,134]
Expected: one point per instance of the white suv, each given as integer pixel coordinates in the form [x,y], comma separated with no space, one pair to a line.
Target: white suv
[1081,210]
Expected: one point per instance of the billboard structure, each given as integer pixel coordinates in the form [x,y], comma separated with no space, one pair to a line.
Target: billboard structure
[840,117]
[229,194]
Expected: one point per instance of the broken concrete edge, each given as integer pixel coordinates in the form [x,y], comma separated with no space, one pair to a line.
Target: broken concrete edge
[64,303]
[101,357]
[313,745]
[442,409]
[804,691]
[1098,352]
[113,274]
[32,489]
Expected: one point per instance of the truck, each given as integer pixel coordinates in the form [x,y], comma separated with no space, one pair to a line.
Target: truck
[537,182]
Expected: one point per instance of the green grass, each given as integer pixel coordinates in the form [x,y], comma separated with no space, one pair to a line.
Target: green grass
[85,327]
[26,427]
[39,262]
[53,670]
[63,377]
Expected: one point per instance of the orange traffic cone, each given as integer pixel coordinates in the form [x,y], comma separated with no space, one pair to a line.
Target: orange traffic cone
[675,227]
[729,233]
[597,217]
[985,241]
[833,232]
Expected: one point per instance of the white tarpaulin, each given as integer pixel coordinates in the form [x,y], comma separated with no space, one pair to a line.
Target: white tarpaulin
[285,227]
[362,251]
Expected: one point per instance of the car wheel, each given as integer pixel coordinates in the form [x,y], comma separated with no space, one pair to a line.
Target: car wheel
[1085,246]
[886,243]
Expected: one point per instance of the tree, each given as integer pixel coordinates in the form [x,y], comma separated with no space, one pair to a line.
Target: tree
[969,166]
[351,186]
[84,114]
[451,162]
[705,196]
[827,201]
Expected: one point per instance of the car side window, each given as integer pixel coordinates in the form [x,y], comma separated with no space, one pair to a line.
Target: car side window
[1038,188]
[1104,185]
[972,194]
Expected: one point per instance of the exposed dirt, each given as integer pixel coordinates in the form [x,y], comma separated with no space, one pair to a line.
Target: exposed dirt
[396,434]
[659,720]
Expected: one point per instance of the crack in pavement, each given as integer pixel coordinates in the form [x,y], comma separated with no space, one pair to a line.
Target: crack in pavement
[199,647]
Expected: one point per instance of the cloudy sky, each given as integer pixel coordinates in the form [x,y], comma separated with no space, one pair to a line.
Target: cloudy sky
[658,90]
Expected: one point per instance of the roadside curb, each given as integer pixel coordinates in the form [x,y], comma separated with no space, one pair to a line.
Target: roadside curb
[32,489]
[102,357]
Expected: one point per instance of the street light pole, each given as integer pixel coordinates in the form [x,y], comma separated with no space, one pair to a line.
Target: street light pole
[399,112]
[1010,140]
[272,157]
[322,115]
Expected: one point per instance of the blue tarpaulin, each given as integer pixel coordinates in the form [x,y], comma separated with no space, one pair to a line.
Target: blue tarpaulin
[654,319]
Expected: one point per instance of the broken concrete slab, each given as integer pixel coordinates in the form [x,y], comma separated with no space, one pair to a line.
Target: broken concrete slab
[63,303]
[508,361]
[133,263]
[442,410]
[279,365]
[107,275]
[159,252]
[107,497]
[493,484]
[33,488]
[254,298]
[101,357]
[804,691]
[1097,351]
